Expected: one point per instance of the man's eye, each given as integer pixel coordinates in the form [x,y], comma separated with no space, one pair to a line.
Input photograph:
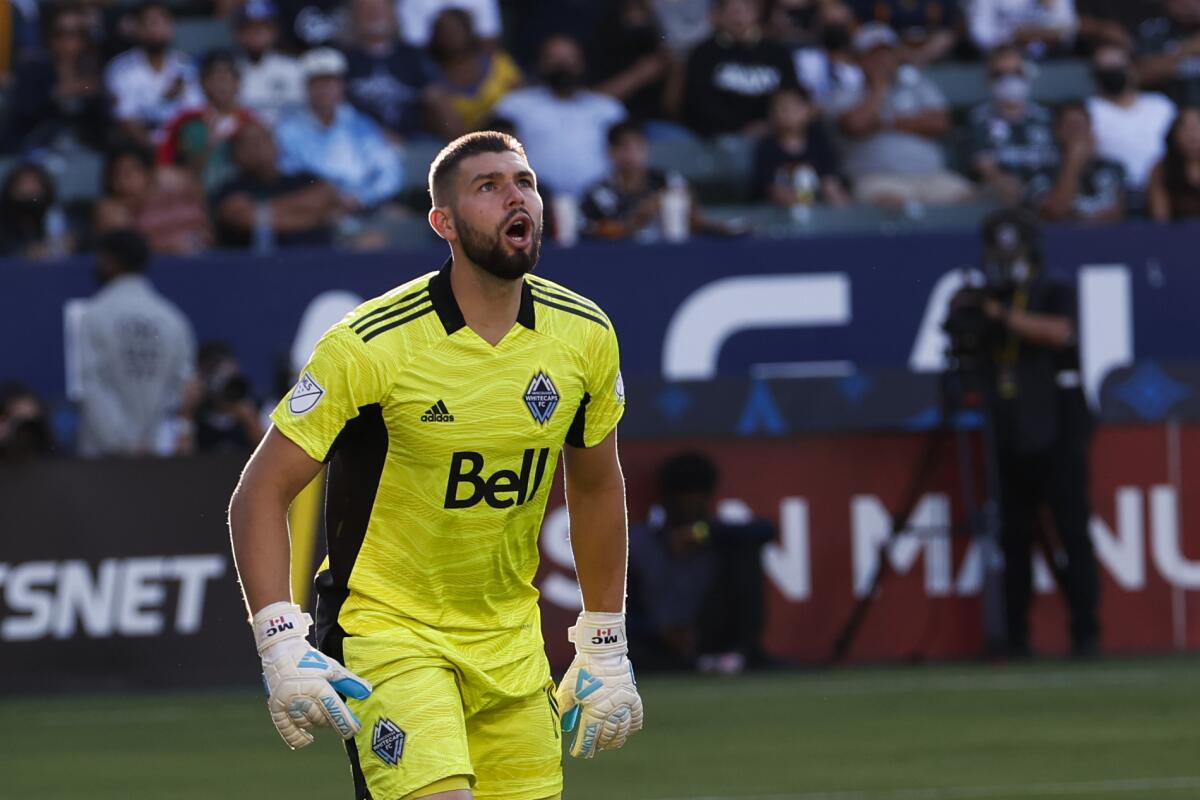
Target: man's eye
[487,187]
[525,182]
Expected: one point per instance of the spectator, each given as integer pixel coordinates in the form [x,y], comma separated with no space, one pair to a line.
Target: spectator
[59,93]
[264,208]
[151,82]
[473,78]
[830,68]
[1082,187]
[1129,125]
[417,19]
[164,205]
[221,405]
[629,60]
[628,204]
[198,139]
[893,127]
[796,156]
[308,24]
[24,424]
[1039,27]
[730,77]
[1011,137]
[135,355]
[696,580]
[332,139]
[271,81]
[1175,183]
[1110,22]
[31,224]
[561,124]
[929,30]
[392,82]
[1169,46]
[795,23]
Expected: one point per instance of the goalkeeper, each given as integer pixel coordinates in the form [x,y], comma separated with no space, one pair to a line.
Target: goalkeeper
[441,409]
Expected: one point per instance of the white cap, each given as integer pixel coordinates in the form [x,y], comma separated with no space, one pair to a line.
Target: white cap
[872,35]
[322,61]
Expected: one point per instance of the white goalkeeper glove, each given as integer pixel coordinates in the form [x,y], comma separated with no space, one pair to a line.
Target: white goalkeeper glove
[598,696]
[303,683]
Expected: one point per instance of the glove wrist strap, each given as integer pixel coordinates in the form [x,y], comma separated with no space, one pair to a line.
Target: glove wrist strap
[599,632]
[277,623]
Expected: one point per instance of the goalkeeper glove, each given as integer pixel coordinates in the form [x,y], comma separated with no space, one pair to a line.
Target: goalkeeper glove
[302,683]
[598,695]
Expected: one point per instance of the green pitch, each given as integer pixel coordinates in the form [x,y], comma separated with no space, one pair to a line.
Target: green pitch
[1119,730]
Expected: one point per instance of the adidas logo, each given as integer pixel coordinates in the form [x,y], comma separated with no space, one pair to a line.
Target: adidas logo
[437,413]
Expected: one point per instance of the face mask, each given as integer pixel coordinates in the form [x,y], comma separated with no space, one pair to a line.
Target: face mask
[1112,81]
[1010,89]
[561,80]
[835,37]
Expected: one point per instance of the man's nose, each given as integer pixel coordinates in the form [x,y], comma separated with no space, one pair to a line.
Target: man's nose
[513,196]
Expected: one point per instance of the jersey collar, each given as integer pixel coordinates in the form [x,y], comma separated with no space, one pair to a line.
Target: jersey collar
[448,311]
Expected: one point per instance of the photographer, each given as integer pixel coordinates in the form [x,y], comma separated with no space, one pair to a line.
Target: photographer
[225,415]
[1018,333]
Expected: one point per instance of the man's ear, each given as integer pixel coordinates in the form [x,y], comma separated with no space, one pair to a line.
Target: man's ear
[442,223]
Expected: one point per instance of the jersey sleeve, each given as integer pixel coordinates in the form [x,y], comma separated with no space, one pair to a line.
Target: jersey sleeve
[339,380]
[602,407]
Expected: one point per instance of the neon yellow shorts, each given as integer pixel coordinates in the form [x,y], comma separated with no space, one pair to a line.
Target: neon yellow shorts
[432,717]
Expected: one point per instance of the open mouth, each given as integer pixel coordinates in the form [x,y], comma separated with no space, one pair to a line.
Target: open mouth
[519,231]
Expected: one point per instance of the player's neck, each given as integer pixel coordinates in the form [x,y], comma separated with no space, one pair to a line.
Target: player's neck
[489,304]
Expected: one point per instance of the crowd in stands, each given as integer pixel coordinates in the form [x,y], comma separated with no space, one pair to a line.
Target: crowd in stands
[293,131]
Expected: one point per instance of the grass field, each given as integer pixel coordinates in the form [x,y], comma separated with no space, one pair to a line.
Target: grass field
[1117,730]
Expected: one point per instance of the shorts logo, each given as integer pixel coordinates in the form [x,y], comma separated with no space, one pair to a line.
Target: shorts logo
[619,389]
[305,396]
[541,397]
[387,741]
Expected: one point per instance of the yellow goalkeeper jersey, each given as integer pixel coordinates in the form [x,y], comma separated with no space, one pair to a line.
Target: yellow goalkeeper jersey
[442,450]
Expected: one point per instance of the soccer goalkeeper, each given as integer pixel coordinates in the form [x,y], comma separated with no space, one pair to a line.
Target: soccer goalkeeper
[441,408]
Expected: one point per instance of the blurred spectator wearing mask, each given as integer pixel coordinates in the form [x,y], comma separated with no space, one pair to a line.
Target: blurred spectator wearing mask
[929,30]
[220,405]
[629,204]
[165,205]
[306,24]
[1169,49]
[696,589]
[263,208]
[136,354]
[24,424]
[271,81]
[392,82]
[1174,191]
[830,68]
[60,92]
[417,19]
[1011,137]
[1130,125]
[198,139]
[629,59]
[151,82]
[893,129]
[562,124]
[1039,27]
[796,163]
[31,224]
[473,77]
[730,78]
[1081,187]
[332,139]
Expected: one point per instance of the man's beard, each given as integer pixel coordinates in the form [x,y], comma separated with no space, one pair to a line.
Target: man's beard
[490,255]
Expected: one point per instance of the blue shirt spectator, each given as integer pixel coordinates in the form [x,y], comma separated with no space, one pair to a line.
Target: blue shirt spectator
[334,141]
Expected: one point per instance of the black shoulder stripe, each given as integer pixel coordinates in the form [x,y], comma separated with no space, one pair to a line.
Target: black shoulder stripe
[571,310]
[563,293]
[586,306]
[420,301]
[397,323]
[365,320]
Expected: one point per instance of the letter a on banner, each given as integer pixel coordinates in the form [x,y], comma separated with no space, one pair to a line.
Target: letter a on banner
[760,413]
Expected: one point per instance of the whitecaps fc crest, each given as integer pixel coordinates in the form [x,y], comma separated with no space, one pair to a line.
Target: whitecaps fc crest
[541,398]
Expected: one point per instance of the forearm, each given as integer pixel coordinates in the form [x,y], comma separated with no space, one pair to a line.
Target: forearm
[1047,330]
[261,547]
[930,124]
[864,118]
[599,541]
[1060,203]
[1157,69]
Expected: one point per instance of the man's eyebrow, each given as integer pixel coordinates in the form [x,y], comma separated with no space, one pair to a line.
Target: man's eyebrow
[491,176]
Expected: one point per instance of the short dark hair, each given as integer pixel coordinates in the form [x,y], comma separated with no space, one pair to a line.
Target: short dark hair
[1003,51]
[689,471]
[622,129]
[219,57]
[140,154]
[126,247]
[798,90]
[441,171]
